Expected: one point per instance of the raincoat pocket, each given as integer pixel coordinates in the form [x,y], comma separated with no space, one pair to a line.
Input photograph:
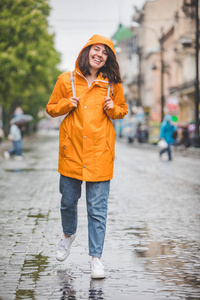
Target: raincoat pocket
[65,146]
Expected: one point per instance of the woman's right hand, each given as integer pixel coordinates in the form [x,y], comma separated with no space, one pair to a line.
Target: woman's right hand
[75,101]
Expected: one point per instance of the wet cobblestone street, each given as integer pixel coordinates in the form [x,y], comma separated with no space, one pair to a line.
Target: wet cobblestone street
[152,246]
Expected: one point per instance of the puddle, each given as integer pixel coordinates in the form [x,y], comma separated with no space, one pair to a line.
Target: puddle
[174,263]
[170,264]
[74,288]
[38,216]
[153,249]
[19,170]
[139,231]
[67,289]
[96,289]
[30,273]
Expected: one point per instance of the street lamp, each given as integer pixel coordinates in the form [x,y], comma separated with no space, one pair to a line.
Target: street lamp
[162,70]
[162,66]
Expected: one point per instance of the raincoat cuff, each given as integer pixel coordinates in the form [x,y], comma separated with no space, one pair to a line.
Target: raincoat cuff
[63,107]
[70,105]
[111,113]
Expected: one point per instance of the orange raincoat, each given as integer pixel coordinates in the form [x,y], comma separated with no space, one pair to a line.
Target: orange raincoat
[87,135]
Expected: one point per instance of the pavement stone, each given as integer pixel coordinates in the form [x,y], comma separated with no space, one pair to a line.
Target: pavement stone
[152,244]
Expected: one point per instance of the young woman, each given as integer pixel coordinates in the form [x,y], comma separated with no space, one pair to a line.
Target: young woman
[86,142]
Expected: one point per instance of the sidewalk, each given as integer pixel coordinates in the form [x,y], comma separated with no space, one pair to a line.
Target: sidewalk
[179,150]
[152,243]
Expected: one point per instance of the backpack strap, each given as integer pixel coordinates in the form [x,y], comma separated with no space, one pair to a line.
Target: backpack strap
[108,91]
[72,84]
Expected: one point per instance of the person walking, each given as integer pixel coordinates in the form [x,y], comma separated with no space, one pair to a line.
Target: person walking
[90,97]
[166,132]
[15,136]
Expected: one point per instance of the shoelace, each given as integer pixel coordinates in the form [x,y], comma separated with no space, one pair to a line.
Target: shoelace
[62,243]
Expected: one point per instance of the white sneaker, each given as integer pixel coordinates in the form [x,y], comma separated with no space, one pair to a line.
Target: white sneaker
[6,154]
[97,269]
[63,248]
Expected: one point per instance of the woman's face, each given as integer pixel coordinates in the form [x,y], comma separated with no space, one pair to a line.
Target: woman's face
[97,56]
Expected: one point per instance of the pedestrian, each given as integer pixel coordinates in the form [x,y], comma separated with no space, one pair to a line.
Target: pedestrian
[15,136]
[90,97]
[166,132]
[185,139]
[191,130]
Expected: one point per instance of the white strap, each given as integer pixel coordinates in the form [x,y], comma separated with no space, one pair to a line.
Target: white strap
[108,91]
[72,84]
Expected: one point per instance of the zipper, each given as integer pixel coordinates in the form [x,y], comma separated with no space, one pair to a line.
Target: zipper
[96,80]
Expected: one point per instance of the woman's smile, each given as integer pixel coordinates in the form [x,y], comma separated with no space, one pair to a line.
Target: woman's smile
[97,56]
[97,60]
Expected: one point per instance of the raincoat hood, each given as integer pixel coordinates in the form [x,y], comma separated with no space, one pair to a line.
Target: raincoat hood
[168,118]
[98,39]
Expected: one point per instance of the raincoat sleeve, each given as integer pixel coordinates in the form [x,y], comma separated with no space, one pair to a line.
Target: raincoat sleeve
[59,104]
[161,133]
[120,108]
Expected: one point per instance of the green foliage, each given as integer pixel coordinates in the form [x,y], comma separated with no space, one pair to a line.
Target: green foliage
[28,58]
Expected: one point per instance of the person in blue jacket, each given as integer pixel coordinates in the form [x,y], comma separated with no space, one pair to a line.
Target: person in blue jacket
[166,132]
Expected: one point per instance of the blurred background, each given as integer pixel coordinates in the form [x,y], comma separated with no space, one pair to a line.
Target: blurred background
[152,239]
[157,46]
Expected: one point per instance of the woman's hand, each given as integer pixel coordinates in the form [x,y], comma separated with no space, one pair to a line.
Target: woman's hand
[109,104]
[75,101]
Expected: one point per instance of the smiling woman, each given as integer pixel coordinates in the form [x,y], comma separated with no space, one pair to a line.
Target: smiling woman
[87,141]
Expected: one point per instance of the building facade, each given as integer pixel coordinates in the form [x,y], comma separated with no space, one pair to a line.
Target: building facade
[158,61]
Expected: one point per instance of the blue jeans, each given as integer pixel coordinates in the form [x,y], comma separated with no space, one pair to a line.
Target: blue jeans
[168,150]
[97,194]
[17,148]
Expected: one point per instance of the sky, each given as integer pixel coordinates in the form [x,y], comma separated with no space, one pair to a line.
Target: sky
[75,21]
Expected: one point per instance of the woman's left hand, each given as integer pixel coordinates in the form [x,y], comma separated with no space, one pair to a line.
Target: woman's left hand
[109,104]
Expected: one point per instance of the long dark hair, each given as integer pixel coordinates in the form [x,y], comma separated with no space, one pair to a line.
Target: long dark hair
[110,70]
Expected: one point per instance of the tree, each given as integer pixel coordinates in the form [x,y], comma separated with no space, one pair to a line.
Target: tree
[28,58]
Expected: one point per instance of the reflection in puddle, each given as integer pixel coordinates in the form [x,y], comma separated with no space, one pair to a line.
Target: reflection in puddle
[176,263]
[67,289]
[30,273]
[73,287]
[68,293]
[153,249]
[168,263]
[96,289]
